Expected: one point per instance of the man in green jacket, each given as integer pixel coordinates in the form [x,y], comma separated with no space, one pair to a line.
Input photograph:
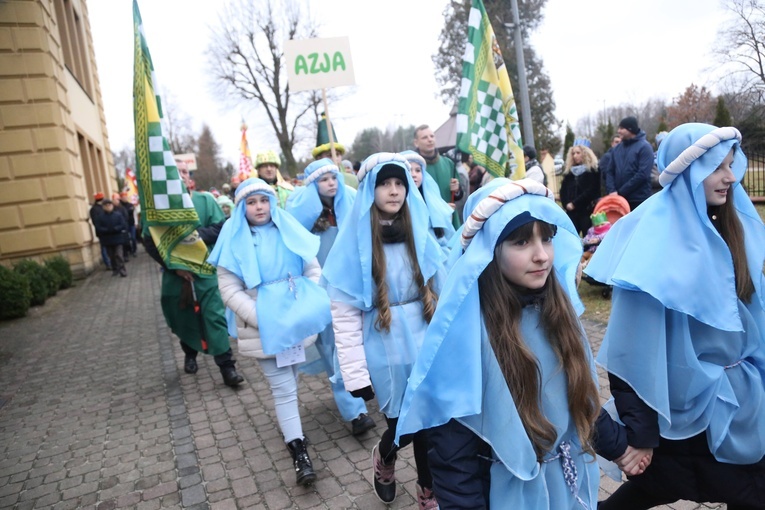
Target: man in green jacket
[441,168]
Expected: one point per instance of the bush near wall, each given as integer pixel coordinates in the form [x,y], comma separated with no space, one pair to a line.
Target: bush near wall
[61,267]
[15,294]
[39,279]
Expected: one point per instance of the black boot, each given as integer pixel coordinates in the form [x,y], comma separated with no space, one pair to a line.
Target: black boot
[230,377]
[190,365]
[304,473]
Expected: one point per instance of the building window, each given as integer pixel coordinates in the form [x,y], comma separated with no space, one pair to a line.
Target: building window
[72,31]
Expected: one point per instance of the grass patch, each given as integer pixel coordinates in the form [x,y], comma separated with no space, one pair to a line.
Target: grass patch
[596,307]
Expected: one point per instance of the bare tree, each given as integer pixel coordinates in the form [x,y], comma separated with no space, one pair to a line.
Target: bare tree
[123,160]
[742,44]
[246,59]
[180,135]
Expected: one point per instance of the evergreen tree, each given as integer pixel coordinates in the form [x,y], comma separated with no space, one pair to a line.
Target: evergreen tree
[606,133]
[568,142]
[722,115]
[209,170]
[448,61]
[366,143]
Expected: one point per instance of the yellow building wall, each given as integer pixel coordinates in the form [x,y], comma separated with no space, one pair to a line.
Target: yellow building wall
[54,147]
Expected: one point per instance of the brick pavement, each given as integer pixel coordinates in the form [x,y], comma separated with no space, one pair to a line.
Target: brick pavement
[98,413]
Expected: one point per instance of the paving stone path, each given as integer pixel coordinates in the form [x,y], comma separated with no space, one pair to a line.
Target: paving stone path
[96,412]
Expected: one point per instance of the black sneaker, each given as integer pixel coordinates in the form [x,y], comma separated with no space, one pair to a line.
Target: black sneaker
[362,424]
[384,476]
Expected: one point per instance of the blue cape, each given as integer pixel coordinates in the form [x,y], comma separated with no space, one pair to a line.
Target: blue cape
[305,204]
[234,249]
[288,309]
[701,355]
[349,264]
[448,379]
[687,265]
[439,210]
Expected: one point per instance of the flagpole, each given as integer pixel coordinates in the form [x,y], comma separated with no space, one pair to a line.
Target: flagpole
[528,132]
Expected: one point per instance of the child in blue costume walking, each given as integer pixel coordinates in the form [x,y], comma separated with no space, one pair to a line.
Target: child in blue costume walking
[505,375]
[685,345]
[322,205]
[440,212]
[267,275]
[379,277]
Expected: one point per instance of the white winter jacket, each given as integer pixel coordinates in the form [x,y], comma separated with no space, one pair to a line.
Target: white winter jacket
[347,322]
[242,301]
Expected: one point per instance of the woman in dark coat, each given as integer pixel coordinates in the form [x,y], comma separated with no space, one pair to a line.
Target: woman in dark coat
[580,188]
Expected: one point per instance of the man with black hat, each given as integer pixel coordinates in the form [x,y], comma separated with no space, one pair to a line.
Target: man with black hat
[629,171]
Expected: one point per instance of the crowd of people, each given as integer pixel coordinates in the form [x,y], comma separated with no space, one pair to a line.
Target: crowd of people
[452,299]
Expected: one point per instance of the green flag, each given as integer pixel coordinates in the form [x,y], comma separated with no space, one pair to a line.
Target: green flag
[167,211]
[487,119]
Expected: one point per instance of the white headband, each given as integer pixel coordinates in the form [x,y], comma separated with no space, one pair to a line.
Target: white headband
[695,151]
[252,188]
[319,172]
[497,199]
[377,159]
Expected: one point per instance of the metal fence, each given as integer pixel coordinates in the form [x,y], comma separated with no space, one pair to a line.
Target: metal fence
[754,179]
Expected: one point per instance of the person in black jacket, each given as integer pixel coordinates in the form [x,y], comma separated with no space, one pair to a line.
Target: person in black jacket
[580,188]
[130,209]
[97,210]
[629,171]
[111,228]
[605,161]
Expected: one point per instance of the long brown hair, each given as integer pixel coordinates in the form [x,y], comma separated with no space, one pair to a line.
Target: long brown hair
[501,307]
[732,233]
[379,269]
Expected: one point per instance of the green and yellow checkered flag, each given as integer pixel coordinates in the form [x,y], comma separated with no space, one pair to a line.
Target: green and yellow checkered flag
[487,119]
[166,207]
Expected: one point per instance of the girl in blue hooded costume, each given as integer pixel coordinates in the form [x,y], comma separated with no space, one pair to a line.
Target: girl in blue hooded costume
[322,205]
[505,375]
[267,275]
[379,278]
[440,212]
[685,345]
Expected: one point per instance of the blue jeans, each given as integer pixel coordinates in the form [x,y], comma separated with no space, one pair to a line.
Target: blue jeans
[105,257]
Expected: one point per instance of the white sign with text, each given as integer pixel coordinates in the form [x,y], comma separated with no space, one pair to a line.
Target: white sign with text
[319,63]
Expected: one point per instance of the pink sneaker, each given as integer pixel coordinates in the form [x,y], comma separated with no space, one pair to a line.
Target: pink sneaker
[384,476]
[426,500]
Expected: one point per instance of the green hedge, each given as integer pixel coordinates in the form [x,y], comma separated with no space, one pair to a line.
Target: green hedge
[60,266]
[39,279]
[15,294]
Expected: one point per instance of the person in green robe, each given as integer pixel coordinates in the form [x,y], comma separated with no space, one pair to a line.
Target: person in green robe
[177,297]
[441,168]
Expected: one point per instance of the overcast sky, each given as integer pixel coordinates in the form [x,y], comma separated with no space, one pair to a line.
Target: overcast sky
[596,52]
